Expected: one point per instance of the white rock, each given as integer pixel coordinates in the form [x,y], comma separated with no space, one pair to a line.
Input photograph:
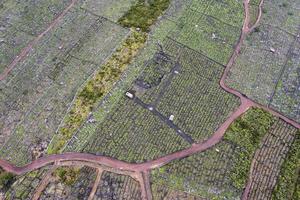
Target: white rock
[129,95]
[171,118]
[272,49]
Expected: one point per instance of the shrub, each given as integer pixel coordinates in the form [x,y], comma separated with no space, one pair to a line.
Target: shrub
[6,180]
[144,14]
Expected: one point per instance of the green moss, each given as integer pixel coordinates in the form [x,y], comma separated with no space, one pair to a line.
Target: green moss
[247,132]
[288,183]
[144,14]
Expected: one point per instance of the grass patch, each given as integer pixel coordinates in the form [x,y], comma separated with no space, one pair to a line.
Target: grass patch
[97,88]
[144,14]
[247,132]
[288,183]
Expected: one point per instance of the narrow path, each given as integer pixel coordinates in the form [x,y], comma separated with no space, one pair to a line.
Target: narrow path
[144,180]
[96,183]
[44,183]
[28,48]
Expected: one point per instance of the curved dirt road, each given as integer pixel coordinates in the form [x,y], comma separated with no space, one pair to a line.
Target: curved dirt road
[195,148]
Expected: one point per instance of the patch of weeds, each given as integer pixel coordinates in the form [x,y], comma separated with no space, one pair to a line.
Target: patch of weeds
[144,14]
[67,175]
[247,132]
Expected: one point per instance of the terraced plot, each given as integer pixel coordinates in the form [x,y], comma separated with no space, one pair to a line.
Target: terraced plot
[267,70]
[114,186]
[206,174]
[64,186]
[24,187]
[165,193]
[39,90]
[112,9]
[269,158]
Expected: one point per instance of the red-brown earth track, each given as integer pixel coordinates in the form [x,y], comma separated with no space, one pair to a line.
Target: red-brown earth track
[146,166]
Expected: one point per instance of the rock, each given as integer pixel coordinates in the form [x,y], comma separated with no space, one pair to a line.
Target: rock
[213,36]
[272,49]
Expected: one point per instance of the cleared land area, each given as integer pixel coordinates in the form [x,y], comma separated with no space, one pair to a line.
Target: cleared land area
[267,69]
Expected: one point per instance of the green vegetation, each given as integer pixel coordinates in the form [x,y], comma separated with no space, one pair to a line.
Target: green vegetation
[67,175]
[144,14]
[6,180]
[223,168]
[288,183]
[247,132]
[98,87]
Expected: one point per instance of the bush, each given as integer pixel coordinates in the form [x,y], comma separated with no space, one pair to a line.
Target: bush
[247,132]
[66,175]
[144,14]
[6,180]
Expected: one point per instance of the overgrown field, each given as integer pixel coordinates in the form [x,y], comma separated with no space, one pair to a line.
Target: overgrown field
[267,70]
[70,183]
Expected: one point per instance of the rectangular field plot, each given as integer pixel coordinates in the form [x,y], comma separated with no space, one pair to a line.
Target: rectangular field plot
[113,9]
[163,192]
[206,34]
[259,80]
[70,183]
[25,185]
[40,88]
[283,14]
[187,88]
[286,97]
[228,11]
[205,174]
[115,186]
[132,133]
